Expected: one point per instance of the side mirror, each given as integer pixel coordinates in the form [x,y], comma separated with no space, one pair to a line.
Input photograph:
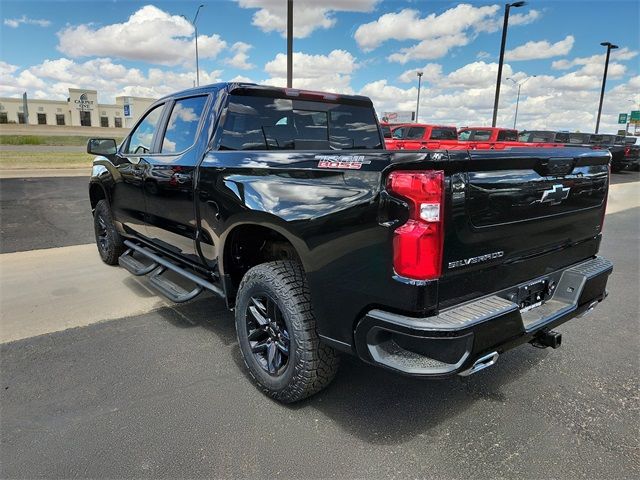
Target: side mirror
[101,146]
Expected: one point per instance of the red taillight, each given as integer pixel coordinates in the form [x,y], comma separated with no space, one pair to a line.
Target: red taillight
[417,245]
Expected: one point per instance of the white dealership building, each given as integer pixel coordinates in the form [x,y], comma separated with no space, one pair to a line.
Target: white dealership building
[80,109]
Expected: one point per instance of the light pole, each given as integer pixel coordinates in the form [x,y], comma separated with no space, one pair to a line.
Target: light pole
[195,26]
[610,46]
[507,7]
[289,43]
[519,85]
[418,102]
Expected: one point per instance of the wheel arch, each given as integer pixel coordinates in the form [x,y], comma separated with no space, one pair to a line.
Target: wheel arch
[97,192]
[248,244]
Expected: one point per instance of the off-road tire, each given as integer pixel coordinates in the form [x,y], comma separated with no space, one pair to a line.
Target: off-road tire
[312,365]
[113,245]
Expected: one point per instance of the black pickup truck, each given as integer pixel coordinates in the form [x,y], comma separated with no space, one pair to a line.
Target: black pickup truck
[285,203]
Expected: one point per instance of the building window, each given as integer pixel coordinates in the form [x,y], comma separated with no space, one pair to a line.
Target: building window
[3,117]
[104,121]
[117,122]
[20,117]
[42,119]
[60,119]
[85,118]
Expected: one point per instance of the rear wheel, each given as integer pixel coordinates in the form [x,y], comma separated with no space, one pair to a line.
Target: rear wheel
[109,241]
[277,333]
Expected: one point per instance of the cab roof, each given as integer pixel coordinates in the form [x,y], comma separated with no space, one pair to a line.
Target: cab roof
[277,92]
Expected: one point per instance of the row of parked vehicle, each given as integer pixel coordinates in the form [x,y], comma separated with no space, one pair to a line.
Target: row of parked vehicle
[625,151]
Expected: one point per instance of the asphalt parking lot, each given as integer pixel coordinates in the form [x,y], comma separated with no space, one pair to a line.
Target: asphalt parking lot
[159,390]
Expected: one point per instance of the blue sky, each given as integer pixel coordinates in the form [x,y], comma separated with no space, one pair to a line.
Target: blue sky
[357,46]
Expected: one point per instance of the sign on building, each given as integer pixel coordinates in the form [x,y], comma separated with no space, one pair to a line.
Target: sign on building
[127,110]
[398,117]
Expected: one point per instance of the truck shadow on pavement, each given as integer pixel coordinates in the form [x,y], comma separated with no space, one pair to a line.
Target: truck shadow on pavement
[378,406]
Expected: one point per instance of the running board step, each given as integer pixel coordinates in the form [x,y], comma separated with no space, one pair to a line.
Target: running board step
[133,265]
[169,289]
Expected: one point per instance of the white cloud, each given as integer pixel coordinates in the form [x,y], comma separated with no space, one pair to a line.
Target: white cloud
[240,57]
[51,79]
[621,54]
[7,68]
[465,97]
[436,34]
[514,19]
[431,72]
[309,15]
[241,79]
[24,20]
[330,72]
[542,49]
[150,35]
[472,75]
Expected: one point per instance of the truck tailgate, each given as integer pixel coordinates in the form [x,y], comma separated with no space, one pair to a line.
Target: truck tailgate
[520,214]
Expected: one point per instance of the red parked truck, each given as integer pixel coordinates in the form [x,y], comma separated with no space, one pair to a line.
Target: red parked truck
[493,138]
[420,136]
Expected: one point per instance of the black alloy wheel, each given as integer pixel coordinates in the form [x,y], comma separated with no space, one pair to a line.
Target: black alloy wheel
[102,237]
[267,333]
[110,243]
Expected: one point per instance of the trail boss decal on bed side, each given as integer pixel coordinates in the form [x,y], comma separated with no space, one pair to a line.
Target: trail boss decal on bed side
[353,162]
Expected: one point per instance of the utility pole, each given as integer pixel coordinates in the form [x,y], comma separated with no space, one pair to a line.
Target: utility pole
[289,43]
[610,46]
[195,27]
[418,102]
[505,25]
[519,85]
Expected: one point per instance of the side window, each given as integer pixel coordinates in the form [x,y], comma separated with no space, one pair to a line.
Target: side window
[415,133]
[398,133]
[141,138]
[482,135]
[183,124]
[507,136]
[464,135]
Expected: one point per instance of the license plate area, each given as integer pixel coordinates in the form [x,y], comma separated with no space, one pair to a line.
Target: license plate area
[534,294]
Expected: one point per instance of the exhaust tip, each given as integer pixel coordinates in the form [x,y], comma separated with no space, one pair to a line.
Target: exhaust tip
[480,364]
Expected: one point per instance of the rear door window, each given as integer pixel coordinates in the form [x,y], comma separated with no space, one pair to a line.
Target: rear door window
[507,136]
[481,135]
[415,133]
[183,124]
[444,134]
[267,123]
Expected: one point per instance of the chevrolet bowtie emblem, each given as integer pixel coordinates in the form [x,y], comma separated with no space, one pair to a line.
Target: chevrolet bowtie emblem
[555,194]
